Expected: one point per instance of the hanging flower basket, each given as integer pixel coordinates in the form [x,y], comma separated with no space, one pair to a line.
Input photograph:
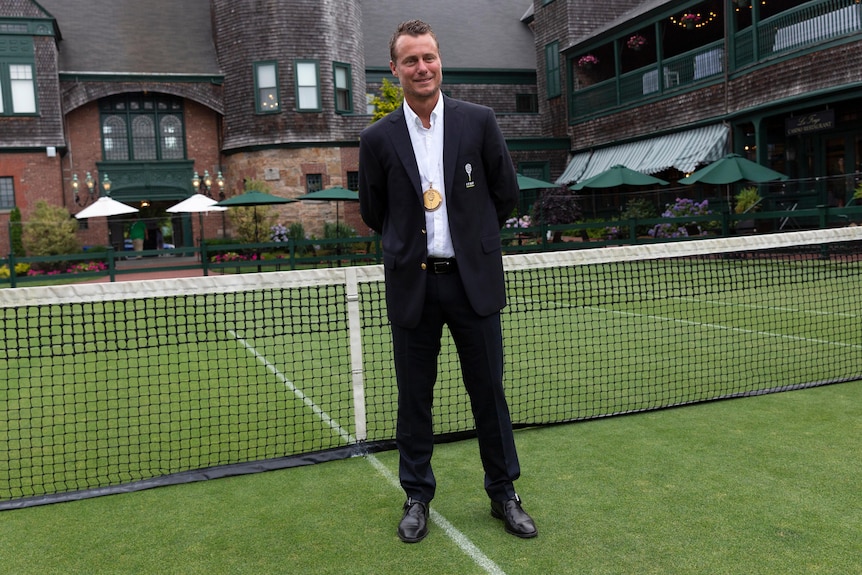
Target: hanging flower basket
[690,20]
[587,62]
[636,42]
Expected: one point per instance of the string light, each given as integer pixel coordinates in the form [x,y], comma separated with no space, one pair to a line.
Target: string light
[704,20]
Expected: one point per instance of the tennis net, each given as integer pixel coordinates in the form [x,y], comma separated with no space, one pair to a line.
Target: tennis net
[115,387]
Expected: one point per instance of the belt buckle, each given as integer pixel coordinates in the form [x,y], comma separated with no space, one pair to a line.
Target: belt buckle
[440,266]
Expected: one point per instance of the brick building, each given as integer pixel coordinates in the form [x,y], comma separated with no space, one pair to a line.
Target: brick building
[665,87]
[149,93]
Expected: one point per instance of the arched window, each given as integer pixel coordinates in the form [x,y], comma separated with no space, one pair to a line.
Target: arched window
[143,138]
[172,137]
[142,127]
[114,138]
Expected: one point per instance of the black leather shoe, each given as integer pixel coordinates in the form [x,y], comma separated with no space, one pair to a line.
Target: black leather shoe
[414,525]
[518,523]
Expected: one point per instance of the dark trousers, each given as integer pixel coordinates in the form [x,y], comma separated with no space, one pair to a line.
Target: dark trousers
[480,350]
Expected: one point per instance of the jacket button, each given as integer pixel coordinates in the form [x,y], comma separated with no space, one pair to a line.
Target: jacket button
[424,232]
[423,266]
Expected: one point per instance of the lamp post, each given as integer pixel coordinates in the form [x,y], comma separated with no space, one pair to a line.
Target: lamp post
[92,190]
[204,185]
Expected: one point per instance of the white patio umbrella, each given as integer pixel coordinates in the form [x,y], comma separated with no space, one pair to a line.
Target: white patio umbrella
[104,207]
[197,204]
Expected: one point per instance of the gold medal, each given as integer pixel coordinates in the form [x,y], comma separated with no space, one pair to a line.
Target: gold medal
[431,199]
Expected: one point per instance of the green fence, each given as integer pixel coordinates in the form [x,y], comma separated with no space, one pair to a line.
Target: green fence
[224,258]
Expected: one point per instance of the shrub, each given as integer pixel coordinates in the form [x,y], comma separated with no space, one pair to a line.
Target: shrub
[338,230]
[681,208]
[641,209]
[747,200]
[557,207]
[252,224]
[15,233]
[278,233]
[21,269]
[297,234]
[51,231]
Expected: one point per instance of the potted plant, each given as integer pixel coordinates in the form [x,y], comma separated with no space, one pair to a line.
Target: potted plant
[690,20]
[587,62]
[747,201]
[636,42]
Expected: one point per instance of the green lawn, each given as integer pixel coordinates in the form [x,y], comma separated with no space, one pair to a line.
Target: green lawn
[766,485]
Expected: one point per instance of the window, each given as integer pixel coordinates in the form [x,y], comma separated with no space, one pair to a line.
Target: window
[313,183]
[353,181]
[143,138]
[552,69]
[7,194]
[526,103]
[343,91]
[142,127]
[266,87]
[307,86]
[17,76]
[172,137]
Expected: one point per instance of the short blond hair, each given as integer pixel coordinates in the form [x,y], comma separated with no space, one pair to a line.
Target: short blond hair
[410,28]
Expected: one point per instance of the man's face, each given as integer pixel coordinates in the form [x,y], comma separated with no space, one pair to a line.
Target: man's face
[418,67]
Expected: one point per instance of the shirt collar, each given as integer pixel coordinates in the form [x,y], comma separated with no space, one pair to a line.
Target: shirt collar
[413,119]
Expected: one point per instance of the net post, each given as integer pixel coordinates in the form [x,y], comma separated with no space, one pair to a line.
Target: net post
[13,277]
[204,258]
[112,264]
[354,327]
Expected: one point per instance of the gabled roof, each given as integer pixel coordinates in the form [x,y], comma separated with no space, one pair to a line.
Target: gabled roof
[473,34]
[135,36]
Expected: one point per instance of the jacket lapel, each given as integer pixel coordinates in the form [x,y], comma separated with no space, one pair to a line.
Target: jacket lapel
[403,147]
[451,139]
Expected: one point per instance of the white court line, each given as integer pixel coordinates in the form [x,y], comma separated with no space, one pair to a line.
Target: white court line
[714,326]
[768,307]
[459,538]
[728,328]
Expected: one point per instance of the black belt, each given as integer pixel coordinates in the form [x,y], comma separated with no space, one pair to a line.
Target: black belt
[442,265]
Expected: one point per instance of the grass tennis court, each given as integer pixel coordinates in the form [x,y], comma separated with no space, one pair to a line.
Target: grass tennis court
[767,485]
[147,384]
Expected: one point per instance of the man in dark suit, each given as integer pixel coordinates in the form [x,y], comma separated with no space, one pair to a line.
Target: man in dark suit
[437,182]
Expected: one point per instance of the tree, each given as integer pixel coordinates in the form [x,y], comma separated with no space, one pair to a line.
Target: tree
[16,232]
[388,100]
[252,223]
[557,207]
[51,231]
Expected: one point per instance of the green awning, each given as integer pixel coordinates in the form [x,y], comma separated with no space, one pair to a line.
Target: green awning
[682,150]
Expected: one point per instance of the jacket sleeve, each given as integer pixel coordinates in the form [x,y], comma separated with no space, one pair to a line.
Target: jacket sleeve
[372,184]
[503,183]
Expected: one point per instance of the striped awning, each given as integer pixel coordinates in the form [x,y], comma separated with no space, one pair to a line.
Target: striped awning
[683,151]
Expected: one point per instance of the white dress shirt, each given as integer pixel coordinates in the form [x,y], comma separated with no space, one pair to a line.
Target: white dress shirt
[428,150]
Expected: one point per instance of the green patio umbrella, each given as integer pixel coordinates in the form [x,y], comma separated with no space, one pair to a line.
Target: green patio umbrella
[335,194]
[528,183]
[332,194]
[253,199]
[731,169]
[619,176]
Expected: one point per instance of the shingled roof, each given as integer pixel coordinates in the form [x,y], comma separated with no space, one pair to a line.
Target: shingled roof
[175,37]
[473,34]
[135,36]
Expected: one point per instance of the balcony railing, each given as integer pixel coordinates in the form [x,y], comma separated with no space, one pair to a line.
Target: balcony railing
[805,26]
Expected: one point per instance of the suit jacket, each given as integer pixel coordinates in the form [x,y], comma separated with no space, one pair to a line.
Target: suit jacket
[481,192]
